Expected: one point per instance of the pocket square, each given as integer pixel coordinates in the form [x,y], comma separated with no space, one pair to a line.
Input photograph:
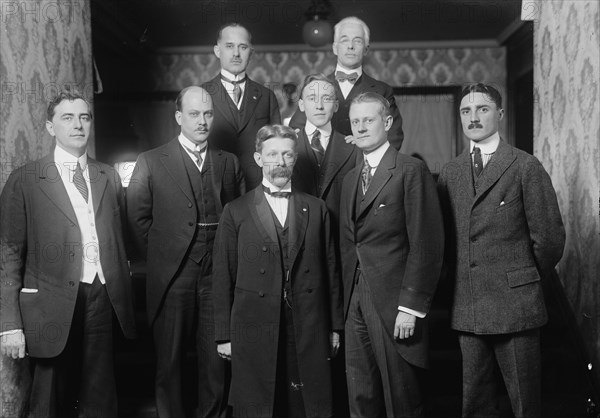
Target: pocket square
[27,290]
[502,203]
[381,205]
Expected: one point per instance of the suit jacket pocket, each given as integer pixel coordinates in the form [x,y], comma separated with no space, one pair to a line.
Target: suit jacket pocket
[522,276]
[509,203]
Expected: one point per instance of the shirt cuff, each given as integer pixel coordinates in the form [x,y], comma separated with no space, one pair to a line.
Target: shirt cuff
[12,331]
[412,312]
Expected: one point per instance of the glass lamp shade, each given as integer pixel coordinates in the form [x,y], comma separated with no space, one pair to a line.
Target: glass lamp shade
[317,32]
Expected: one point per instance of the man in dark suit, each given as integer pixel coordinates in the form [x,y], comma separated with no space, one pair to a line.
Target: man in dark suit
[241,105]
[64,270]
[278,303]
[324,158]
[175,199]
[350,45]
[504,233]
[392,247]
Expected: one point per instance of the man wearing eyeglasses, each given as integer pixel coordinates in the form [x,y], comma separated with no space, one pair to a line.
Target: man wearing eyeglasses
[350,45]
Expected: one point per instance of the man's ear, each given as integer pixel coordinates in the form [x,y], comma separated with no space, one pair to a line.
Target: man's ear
[500,114]
[50,128]
[388,122]
[301,105]
[258,159]
[178,117]
[336,106]
[217,51]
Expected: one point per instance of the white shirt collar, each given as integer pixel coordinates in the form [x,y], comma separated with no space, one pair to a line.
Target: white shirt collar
[358,70]
[273,188]
[310,129]
[183,140]
[374,157]
[64,158]
[231,76]
[488,145]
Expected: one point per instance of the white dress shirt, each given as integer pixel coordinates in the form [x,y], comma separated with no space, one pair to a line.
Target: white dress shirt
[310,129]
[487,146]
[189,146]
[229,86]
[374,158]
[345,85]
[86,219]
[278,204]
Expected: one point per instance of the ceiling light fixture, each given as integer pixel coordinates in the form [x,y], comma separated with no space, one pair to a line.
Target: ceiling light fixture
[317,30]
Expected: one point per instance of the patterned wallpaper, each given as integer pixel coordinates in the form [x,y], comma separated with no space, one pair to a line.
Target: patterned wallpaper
[44,46]
[397,67]
[567,141]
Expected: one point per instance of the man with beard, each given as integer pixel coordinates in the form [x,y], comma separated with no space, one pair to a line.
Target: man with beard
[277,294]
[241,106]
[174,202]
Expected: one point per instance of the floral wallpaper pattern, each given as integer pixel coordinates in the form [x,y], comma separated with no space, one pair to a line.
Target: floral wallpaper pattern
[45,46]
[567,141]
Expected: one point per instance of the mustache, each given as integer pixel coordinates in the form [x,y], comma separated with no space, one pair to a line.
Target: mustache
[475,125]
[285,172]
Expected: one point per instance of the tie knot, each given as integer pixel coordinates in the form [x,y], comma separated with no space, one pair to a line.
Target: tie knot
[342,76]
[316,135]
[276,194]
[476,150]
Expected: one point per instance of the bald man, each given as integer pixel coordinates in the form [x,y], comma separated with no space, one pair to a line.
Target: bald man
[175,200]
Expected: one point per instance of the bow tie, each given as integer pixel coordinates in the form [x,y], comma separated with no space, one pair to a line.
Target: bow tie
[233,82]
[342,76]
[285,195]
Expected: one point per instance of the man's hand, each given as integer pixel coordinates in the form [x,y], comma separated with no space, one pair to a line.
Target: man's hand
[334,344]
[350,139]
[13,345]
[405,325]
[224,351]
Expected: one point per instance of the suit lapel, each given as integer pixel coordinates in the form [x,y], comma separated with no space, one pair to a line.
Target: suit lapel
[464,165]
[336,156]
[98,182]
[354,178]
[498,164]
[215,162]
[251,97]
[298,220]
[305,150]
[261,214]
[380,178]
[220,101]
[53,187]
[175,166]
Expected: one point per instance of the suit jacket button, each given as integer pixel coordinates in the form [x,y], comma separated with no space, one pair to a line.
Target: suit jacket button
[473,264]
[264,249]
[261,294]
[190,205]
[71,283]
[309,290]
[262,271]
[190,223]
[307,270]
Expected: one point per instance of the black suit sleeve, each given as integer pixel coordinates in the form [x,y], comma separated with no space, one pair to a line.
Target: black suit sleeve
[139,207]
[395,135]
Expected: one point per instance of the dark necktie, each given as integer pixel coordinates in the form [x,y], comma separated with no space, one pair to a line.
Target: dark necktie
[477,161]
[237,90]
[342,76]
[366,176]
[276,194]
[79,182]
[315,144]
[197,155]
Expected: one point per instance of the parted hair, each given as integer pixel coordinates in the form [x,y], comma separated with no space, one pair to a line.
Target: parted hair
[370,97]
[486,89]
[274,131]
[70,95]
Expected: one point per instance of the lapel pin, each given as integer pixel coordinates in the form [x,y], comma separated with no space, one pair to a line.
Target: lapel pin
[303,209]
[253,97]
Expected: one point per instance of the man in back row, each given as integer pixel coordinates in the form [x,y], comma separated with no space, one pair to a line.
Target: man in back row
[241,106]
[350,45]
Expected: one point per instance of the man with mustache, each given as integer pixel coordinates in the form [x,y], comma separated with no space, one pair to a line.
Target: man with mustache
[278,311]
[174,203]
[241,106]
[504,234]
[350,45]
